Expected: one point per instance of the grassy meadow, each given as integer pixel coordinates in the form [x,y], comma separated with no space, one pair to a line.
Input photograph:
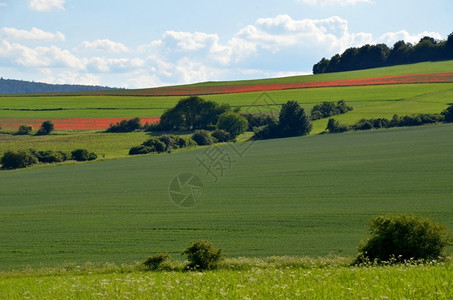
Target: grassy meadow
[296,196]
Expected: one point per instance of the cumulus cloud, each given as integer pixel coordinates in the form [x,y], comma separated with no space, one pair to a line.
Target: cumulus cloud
[33,34]
[391,38]
[334,2]
[104,45]
[46,5]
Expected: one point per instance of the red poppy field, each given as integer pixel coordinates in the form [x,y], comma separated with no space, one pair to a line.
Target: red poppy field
[68,123]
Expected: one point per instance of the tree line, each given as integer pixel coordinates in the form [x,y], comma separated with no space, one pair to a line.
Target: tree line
[380,55]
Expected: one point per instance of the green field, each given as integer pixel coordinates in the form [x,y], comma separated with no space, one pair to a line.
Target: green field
[334,282]
[296,196]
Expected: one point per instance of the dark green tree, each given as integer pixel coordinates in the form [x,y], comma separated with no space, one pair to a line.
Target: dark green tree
[46,128]
[293,120]
[233,123]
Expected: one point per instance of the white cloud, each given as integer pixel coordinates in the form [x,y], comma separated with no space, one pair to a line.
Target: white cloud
[33,34]
[46,5]
[334,2]
[390,38]
[3,4]
[104,45]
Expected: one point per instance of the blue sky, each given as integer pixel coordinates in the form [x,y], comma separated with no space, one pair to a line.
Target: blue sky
[142,43]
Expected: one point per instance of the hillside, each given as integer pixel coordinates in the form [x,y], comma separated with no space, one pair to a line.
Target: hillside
[10,86]
[296,196]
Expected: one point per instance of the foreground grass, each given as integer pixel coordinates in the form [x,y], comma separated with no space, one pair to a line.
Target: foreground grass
[274,281]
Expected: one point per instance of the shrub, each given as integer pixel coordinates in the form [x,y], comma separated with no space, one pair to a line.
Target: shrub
[328,109]
[448,114]
[221,136]
[233,123]
[334,126]
[156,260]
[19,159]
[258,120]
[202,138]
[140,150]
[403,237]
[46,128]
[50,156]
[24,129]
[125,126]
[155,145]
[202,256]
[83,155]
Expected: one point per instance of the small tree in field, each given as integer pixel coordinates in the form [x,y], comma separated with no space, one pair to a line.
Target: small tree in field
[46,128]
[403,237]
[233,123]
[203,256]
[19,159]
[24,129]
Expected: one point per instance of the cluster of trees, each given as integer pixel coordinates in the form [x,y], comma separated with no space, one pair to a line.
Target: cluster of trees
[380,55]
[11,86]
[292,121]
[333,126]
[26,158]
[328,109]
[164,143]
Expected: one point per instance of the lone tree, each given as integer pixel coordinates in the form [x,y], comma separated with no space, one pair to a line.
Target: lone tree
[203,256]
[46,128]
[293,120]
[403,237]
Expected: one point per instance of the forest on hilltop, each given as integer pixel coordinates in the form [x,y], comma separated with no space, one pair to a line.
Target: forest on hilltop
[380,55]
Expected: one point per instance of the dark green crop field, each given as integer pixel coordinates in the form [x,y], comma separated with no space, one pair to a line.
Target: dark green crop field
[297,196]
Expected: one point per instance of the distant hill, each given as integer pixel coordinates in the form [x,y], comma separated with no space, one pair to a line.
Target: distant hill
[11,86]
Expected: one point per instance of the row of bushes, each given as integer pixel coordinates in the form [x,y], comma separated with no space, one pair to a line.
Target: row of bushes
[167,143]
[446,116]
[393,239]
[23,159]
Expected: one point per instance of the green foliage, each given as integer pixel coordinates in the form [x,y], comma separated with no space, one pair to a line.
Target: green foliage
[404,237]
[334,126]
[24,129]
[233,123]
[125,126]
[203,256]
[202,138]
[448,112]
[192,113]
[83,155]
[50,156]
[221,136]
[328,109]
[164,143]
[293,120]
[153,262]
[17,159]
[259,119]
[155,145]
[46,128]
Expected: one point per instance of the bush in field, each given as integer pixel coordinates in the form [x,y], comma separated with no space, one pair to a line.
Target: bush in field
[328,109]
[136,150]
[19,159]
[153,262]
[202,256]
[46,128]
[24,130]
[258,120]
[233,123]
[221,136]
[175,142]
[448,114]
[83,155]
[334,126]
[202,138]
[50,156]
[125,126]
[155,145]
[403,237]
